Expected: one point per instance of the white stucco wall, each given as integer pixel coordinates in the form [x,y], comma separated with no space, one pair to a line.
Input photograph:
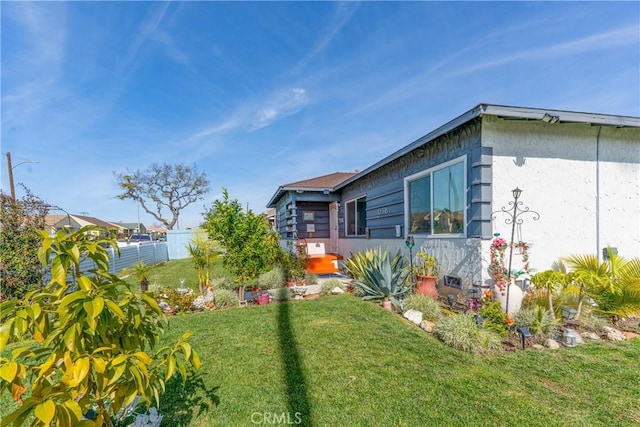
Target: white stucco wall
[586,191]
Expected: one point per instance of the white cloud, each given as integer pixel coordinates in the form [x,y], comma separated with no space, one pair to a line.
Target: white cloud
[283,104]
[610,39]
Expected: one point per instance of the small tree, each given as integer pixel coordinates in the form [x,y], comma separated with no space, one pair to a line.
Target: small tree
[90,347]
[20,225]
[204,253]
[161,188]
[251,246]
[140,270]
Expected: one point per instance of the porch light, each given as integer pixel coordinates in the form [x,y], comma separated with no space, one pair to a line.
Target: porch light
[568,313]
[516,193]
[524,334]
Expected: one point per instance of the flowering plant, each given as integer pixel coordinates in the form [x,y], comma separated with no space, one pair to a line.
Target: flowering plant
[426,265]
[497,266]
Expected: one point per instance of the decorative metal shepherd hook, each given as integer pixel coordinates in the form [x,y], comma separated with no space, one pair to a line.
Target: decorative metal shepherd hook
[513,218]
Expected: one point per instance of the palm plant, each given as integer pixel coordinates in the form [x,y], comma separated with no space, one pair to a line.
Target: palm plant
[140,270]
[383,278]
[203,252]
[614,284]
[551,281]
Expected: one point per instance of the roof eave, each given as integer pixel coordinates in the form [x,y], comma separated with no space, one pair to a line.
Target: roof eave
[447,127]
[501,111]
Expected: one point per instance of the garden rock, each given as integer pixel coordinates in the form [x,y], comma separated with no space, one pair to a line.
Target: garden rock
[537,347]
[590,336]
[613,334]
[551,344]
[427,325]
[337,291]
[414,316]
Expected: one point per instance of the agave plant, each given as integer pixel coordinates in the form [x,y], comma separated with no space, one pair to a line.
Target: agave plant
[357,263]
[614,284]
[383,278]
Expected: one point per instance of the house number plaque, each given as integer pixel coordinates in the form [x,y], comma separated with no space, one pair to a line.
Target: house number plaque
[383,211]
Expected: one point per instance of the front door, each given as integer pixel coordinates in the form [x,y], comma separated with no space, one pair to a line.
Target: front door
[333,228]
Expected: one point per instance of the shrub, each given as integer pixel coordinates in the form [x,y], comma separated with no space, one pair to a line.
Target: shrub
[328,286]
[20,221]
[494,318]
[223,282]
[272,279]
[461,332]
[178,302]
[429,307]
[537,319]
[593,322]
[225,298]
[311,279]
[87,340]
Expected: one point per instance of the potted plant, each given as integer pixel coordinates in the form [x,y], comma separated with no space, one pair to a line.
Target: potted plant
[426,270]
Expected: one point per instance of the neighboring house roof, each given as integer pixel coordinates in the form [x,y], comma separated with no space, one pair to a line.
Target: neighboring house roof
[270,214]
[155,229]
[125,225]
[519,113]
[320,183]
[89,220]
[51,220]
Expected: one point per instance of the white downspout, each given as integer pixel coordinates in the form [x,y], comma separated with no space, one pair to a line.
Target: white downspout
[598,251]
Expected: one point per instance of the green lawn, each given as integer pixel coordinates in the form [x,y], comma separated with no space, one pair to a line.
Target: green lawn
[339,361]
[169,273]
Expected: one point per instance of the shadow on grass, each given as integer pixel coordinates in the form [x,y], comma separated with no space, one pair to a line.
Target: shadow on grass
[297,399]
[182,402]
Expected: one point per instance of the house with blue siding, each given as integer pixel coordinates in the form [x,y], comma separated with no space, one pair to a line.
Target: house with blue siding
[579,171]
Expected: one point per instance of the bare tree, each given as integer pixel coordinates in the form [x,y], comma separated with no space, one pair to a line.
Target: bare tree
[163,188]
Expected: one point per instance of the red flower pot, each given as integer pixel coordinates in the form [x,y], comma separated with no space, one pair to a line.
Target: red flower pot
[426,285]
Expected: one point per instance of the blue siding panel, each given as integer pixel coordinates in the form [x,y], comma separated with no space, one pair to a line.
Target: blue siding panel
[384,187]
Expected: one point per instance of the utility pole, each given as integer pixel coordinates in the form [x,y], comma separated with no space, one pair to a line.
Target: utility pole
[10,172]
[10,168]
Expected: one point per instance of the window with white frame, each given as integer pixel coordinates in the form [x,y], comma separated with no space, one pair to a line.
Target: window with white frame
[435,200]
[356,217]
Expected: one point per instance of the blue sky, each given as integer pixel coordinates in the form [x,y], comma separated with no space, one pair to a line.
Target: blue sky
[262,94]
